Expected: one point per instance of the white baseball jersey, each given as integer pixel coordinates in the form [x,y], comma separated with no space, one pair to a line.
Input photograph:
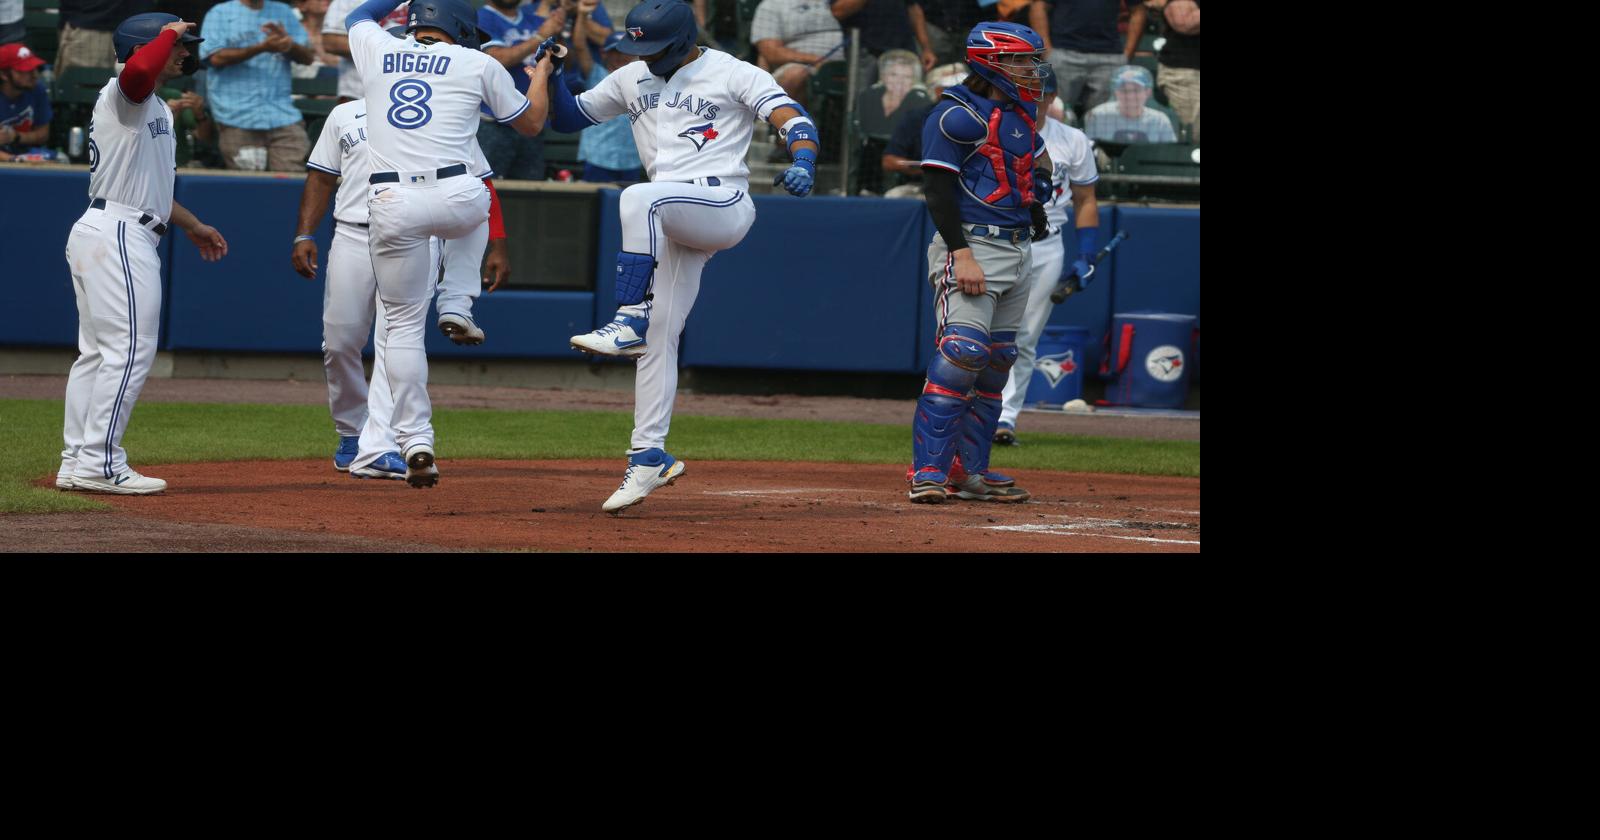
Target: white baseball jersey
[1072,157]
[132,153]
[341,150]
[423,99]
[696,125]
[338,10]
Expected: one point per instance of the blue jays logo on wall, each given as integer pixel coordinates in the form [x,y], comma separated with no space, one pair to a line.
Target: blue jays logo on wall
[635,33]
[1056,367]
[699,135]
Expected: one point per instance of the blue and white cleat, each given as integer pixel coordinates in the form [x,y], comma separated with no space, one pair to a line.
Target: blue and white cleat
[624,336]
[349,448]
[647,470]
[388,465]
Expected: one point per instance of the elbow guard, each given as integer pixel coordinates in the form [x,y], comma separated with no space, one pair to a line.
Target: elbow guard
[798,129]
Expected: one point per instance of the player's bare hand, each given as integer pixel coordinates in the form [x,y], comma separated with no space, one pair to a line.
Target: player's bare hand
[969,275]
[305,258]
[211,244]
[182,27]
[497,266]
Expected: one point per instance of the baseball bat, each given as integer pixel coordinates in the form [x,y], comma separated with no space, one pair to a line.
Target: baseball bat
[1071,285]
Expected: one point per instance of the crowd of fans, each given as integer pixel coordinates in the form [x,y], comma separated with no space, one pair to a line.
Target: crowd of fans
[242,111]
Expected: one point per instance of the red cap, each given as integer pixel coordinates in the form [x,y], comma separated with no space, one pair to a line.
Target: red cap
[19,57]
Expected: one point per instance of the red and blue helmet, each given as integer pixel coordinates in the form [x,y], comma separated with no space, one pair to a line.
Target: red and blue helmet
[1010,57]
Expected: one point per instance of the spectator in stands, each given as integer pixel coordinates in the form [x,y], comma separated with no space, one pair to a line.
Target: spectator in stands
[312,15]
[12,29]
[607,150]
[903,155]
[1126,119]
[1085,46]
[1178,65]
[24,103]
[336,41]
[196,133]
[947,23]
[517,30]
[86,27]
[248,48]
[794,37]
[885,25]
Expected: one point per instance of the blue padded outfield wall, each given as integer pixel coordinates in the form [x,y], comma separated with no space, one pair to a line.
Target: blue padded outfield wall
[822,283]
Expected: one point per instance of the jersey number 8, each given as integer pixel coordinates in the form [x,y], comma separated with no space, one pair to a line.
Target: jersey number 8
[410,109]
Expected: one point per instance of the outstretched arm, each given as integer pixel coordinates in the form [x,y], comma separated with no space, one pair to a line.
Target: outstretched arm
[549,93]
[205,237]
[797,130]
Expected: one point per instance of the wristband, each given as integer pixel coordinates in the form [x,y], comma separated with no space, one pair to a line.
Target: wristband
[1086,240]
[303,237]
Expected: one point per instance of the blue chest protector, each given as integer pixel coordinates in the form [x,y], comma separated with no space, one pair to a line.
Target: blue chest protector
[1002,141]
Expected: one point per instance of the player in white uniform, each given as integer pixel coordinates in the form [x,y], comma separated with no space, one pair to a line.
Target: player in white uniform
[349,302]
[692,111]
[422,96]
[116,273]
[1074,180]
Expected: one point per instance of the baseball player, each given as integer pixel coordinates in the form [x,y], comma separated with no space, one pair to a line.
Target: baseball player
[692,111]
[1074,177]
[422,96]
[349,303]
[116,274]
[986,173]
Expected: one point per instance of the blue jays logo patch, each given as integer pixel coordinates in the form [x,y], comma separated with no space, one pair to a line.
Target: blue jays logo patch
[699,135]
[635,32]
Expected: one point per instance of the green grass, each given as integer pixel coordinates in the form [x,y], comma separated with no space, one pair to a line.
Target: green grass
[164,433]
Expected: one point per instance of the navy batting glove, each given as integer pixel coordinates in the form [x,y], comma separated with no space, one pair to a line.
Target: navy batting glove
[799,177]
[548,45]
[1083,270]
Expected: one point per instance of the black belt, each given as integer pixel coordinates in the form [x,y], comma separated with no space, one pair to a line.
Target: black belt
[1015,235]
[339,221]
[144,218]
[440,174]
[712,181]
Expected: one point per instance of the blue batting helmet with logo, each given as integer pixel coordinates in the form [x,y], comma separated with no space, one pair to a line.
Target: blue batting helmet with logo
[657,25]
[455,18]
[142,29]
[1008,56]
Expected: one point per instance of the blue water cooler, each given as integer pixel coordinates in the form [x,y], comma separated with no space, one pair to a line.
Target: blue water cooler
[1148,357]
[1058,367]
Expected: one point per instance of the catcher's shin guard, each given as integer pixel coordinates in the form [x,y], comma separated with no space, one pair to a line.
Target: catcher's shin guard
[634,272]
[963,354]
[983,412]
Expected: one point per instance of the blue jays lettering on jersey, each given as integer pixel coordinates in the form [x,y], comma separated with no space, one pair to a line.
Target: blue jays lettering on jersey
[991,146]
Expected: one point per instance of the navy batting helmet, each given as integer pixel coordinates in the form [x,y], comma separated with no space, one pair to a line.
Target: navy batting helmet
[142,29]
[1008,56]
[656,25]
[455,18]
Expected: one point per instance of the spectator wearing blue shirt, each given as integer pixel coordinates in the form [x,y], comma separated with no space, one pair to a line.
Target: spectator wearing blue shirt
[249,45]
[607,150]
[24,103]
[517,30]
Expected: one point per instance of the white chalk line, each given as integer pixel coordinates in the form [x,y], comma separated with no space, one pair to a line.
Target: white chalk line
[1074,531]
[786,491]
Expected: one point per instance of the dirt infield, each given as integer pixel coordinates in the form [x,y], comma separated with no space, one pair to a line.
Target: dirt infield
[555,506]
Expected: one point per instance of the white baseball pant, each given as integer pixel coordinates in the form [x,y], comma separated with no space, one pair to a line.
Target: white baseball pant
[1048,257]
[403,216]
[681,226]
[116,279]
[462,264]
[350,308]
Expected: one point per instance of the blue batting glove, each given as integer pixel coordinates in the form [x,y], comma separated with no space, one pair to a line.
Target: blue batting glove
[549,45]
[799,178]
[1083,270]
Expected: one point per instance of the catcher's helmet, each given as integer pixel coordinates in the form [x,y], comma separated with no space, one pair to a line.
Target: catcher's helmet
[455,18]
[1008,56]
[656,25]
[1047,79]
[142,29]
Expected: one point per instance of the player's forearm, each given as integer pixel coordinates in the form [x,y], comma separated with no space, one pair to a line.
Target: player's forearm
[236,55]
[183,219]
[562,107]
[373,10]
[1085,209]
[143,69]
[314,201]
[337,43]
[1039,21]
[943,206]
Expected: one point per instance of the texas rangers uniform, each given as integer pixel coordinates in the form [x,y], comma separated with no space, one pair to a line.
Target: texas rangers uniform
[348,302]
[421,152]
[1072,157]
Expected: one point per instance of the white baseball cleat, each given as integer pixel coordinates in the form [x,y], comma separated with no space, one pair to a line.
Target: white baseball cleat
[460,328]
[624,336]
[977,488]
[64,482]
[420,471]
[647,470]
[125,483]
